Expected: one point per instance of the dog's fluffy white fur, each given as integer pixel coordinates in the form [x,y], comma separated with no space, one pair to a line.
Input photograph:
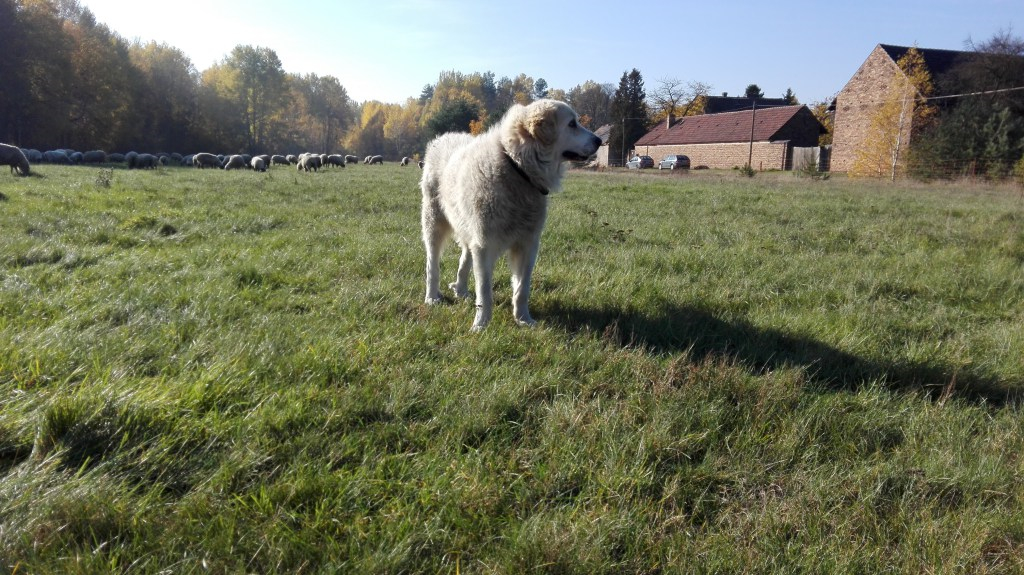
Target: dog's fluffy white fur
[491,193]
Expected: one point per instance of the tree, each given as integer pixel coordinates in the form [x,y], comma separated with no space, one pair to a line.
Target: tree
[367,138]
[220,121]
[258,92]
[903,106]
[629,113]
[426,94]
[454,116]
[540,89]
[827,119]
[35,73]
[790,97]
[592,100]
[980,133]
[321,112]
[678,99]
[753,92]
[165,102]
[401,128]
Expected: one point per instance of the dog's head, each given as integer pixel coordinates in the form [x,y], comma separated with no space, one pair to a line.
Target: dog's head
[552,129]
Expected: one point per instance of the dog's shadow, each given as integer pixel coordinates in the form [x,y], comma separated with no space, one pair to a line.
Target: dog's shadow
[703,335]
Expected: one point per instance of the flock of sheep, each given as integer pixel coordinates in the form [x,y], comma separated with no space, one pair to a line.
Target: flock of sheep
[19,159]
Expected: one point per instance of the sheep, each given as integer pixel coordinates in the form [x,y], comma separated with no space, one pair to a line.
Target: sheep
[235,162]
[278,159]
[34,156]
[131,158]
[76,157]
[15,158]
[336,160]
[308,162]
[205,160]
[366,160]
[146,161]
[420,164]
[405,161]
[292,159]
[265,158]
[56,157]
[115,158]
[258,164]
[350,159]
[376,160]
[94,157]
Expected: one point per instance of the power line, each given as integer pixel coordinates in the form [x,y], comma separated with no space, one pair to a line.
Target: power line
[999,91]
[946,97]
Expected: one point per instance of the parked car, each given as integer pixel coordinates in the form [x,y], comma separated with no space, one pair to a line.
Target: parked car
[675,162]
[638,162]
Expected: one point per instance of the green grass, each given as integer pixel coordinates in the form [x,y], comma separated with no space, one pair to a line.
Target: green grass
[219,372]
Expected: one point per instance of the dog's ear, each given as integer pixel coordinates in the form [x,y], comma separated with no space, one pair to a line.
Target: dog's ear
[541,123]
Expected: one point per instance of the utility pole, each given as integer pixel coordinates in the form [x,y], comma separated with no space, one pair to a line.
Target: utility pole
[750,153]
[623,150]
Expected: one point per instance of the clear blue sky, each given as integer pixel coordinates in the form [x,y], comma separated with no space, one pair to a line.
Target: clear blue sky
[388,50]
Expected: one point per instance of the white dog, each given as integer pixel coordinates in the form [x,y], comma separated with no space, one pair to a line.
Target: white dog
[491,192]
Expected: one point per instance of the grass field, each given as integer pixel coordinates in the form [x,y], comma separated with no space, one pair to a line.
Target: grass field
[228,372]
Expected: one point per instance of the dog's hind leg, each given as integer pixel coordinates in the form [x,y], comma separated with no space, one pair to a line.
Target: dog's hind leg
[433,240]
[521,261]
[459,286]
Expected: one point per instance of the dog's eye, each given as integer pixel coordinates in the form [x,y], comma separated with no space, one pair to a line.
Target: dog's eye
[572,124]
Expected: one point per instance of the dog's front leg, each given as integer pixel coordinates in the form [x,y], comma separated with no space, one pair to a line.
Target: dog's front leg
[483,274]
[521,261]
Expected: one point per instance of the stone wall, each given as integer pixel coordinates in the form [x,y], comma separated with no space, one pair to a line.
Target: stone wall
[766,155]
[856,104]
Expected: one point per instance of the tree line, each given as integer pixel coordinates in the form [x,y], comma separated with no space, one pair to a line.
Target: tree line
[68,81]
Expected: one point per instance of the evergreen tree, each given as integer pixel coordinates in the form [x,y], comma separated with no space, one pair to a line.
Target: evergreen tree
[540,89]
[454,116]
[629,114]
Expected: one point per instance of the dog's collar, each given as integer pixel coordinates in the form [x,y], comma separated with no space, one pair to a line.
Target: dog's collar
[522,172]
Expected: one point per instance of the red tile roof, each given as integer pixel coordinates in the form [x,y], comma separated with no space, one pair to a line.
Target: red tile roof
[721,128]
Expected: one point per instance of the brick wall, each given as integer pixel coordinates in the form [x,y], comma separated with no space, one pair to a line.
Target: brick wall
[766,155]
[856,104]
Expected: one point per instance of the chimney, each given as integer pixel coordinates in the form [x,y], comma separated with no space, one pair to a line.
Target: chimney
[725,94]
[670,120]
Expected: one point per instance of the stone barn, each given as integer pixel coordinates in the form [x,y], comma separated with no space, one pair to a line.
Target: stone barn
[862,96]
[766,136]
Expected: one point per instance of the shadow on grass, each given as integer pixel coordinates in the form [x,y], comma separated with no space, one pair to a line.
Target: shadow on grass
[682,328]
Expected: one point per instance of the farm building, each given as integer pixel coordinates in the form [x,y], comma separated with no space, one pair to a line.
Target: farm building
[765,136]
[857,102]
[727,103]
[604,132]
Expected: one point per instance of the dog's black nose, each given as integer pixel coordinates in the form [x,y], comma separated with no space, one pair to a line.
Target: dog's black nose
[596,141]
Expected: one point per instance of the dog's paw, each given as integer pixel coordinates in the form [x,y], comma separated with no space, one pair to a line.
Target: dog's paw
[460,291]
[433,300]
[526,322]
